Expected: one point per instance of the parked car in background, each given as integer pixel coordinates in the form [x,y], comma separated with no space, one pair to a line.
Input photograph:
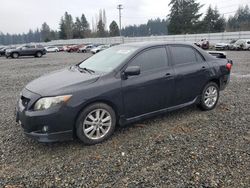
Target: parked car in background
[242,44]
[65,47]
[52,49]
[60,48]
[86,48]
[222,46]
[26,50]
[73,48]
[231,44]
[3,50]
[99,48]
[120,85]
[203,43]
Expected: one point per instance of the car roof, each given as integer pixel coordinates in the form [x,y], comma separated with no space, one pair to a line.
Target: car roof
[154,43]
[144,45]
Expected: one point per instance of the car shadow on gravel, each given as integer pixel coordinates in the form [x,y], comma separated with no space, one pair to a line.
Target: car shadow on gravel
[27,57]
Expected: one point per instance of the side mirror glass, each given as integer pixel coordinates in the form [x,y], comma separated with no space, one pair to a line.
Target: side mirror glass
[132,71]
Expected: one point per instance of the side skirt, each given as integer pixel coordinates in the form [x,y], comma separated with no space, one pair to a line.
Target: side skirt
[123,121]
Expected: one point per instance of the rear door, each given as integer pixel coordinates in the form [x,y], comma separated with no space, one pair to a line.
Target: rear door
[153,88]
[191,70]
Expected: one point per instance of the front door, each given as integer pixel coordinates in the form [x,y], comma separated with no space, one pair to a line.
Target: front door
[153,89]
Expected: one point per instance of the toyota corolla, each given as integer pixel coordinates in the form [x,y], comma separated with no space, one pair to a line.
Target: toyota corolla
[120,85]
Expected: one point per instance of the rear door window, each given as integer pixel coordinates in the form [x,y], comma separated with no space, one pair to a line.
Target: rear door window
[185,55]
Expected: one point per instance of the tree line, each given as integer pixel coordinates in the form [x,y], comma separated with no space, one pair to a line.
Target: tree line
[184,18]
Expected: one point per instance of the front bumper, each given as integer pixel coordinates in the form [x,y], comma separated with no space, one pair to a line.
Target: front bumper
[59,121]
[7,54]
[220,47]
[50,137]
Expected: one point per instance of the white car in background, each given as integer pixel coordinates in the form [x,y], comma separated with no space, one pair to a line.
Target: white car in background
[52,49]
[86,49]
[222,46]
[242,44]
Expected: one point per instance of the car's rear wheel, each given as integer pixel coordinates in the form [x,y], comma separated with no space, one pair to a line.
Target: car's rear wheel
[39,54]
[210,96]
[96,123]
[15,55]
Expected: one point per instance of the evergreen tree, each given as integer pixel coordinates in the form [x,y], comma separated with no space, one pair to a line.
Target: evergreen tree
[85,26]
[100,29]
[157,27]
[183,16]
[69,25]
[114,29]
[77,28]
[45,32]
[213,21]
[101,24]
[240,21]
[62,29]
[153,27]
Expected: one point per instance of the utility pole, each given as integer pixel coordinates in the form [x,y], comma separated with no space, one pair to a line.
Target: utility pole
[119,7]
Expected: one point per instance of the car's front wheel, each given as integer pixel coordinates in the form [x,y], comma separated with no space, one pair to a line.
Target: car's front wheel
[15,55]
[96,123]
[39,54]
[210,96]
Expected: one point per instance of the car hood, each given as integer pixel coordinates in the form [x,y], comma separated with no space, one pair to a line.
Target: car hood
[64,81]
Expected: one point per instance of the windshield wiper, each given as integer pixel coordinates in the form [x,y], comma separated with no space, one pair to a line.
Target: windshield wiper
[85,69]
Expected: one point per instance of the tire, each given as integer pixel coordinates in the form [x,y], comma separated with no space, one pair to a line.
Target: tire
[88,124]
[15,55]
[210,96]
[39,54]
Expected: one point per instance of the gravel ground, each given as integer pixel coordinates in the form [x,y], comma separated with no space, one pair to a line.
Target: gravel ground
[185,148]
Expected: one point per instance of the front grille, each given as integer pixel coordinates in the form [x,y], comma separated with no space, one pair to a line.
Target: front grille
[25,101]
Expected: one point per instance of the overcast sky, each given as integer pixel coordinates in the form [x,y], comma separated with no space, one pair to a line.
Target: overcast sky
[17,16]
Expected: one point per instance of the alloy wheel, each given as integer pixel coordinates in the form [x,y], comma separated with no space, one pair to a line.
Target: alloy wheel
[211,95]
[97,124]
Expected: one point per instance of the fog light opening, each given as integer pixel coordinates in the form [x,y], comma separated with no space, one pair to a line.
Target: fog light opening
[45,129]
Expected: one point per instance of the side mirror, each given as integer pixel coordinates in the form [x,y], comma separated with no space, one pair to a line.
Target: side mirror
[131,71]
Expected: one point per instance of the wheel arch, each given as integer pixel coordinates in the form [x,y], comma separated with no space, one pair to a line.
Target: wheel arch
[15,52]
[215,80]
[88,103]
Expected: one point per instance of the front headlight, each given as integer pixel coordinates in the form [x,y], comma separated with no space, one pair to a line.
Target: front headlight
[48,102]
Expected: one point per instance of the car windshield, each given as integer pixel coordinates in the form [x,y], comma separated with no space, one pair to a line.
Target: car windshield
[108,60]
[21,46]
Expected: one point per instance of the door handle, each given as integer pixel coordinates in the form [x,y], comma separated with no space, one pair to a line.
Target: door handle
[168,75]
[203,68]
